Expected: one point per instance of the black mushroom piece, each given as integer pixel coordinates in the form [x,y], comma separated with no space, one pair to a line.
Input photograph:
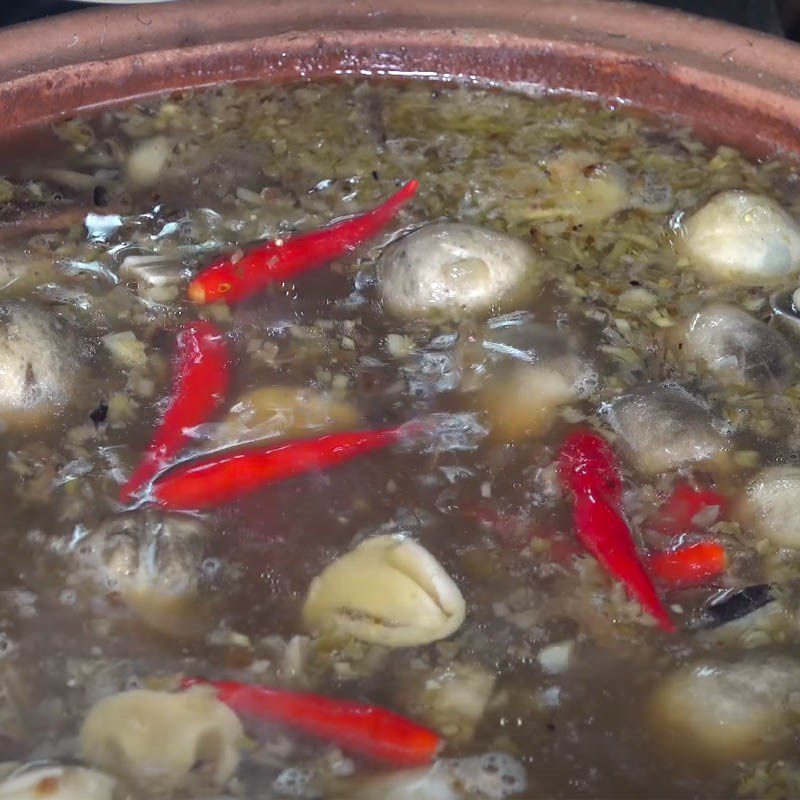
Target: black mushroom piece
[734,604]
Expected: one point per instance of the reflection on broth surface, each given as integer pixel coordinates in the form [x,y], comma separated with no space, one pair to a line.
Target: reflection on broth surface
[407,480]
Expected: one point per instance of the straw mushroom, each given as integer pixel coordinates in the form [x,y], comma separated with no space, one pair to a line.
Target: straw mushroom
[736,347]
[664,427]
[741,237]
[151,561]
[162,742]
[770,507]
[389,590]
[40,364]
[284,411]
[727,711]
[450,270]
[39,781]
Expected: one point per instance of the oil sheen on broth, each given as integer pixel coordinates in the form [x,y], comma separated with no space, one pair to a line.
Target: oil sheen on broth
[564,272]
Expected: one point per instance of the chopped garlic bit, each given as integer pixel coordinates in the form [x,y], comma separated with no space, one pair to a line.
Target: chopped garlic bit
[126,350]
[554,659]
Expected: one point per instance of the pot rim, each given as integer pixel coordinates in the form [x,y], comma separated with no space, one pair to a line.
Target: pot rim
[740,86]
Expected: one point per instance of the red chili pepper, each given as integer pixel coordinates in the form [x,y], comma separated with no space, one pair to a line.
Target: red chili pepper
[216,479]
[692,565]
[685,503]
[365,730]
[200,384]
[588,467]
[279,260]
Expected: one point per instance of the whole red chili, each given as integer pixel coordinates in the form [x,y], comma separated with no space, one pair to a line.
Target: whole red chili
[365,730]
[200,384]
[212,480]
[692,565]
[232,280]
[588,467]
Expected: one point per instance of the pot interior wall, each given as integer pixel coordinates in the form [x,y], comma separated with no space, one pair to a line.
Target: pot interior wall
[731,84]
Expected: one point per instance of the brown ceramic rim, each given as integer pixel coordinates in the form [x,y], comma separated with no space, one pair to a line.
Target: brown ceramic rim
[740,86]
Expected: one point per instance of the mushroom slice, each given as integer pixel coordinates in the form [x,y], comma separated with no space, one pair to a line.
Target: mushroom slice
[390,591]
[770,507]
[283,411]
[161,742]
[664,427]
[39,781]
[727,711]
[741,237]
[736,347]
[451,271]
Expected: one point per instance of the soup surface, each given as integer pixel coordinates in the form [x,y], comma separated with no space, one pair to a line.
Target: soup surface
[516,457]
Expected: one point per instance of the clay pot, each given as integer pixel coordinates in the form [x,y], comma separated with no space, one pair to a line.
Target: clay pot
[741,87]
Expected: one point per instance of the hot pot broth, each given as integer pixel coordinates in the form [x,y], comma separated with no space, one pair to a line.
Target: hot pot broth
[616,307]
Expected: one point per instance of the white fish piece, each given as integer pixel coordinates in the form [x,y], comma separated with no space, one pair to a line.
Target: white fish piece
[164,742]
[740,237]
[451,270]
[389,590]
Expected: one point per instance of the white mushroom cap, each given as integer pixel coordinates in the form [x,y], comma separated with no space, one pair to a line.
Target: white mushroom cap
[40,363]
[450,270]
[664,427]
[727,711]
[736,347]
[771,505]
[741,237]
[389,590]
[55,782]
[161,742]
